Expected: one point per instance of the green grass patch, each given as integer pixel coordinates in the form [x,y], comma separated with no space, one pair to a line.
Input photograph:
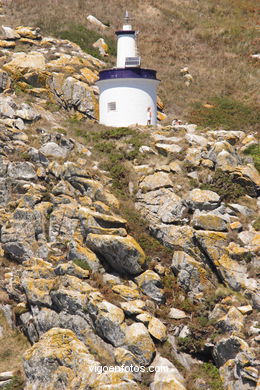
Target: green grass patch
[254,152]
[114,146]
[207,372]
[138,229]
[85,39]
[256,224]
[82,264]
[226,113]
[17,383]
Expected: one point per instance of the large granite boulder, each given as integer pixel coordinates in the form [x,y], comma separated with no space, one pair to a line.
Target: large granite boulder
[139,342]
[123,254]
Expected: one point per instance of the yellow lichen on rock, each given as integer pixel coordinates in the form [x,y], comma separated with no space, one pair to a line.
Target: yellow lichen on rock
[88,75]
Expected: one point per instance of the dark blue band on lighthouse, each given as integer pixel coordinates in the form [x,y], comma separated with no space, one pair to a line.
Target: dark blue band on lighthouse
[127,73]
[124,32]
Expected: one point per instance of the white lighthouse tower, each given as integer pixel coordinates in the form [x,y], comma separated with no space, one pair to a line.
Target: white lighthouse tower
[127,92]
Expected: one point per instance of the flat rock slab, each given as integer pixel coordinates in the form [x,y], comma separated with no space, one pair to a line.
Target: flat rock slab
[168,149]
[51,149]
[156,181]
[177,314]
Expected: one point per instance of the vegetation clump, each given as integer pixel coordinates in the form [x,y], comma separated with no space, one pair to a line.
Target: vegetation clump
[223,184]
[208,373]
[256,224]
[223,111]
[254,152]
[82,264]
[85,39]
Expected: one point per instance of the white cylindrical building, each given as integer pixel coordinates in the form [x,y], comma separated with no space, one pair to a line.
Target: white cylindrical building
[128,93]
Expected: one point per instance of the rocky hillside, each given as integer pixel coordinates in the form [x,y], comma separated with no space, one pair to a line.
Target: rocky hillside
[217,41]
[129,257]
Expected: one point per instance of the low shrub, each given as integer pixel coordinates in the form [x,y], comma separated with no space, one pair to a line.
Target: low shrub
[256,224]
[80,35]
[223,184]
[225,112]
[207,372]
[254,152]
[82,264]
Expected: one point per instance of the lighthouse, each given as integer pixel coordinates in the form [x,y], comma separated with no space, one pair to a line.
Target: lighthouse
[128,92]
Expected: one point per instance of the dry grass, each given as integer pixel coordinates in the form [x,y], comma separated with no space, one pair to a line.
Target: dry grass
[12,347]
[214,39]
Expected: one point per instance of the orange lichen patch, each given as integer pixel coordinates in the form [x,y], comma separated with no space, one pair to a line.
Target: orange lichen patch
[161,116]
[29,41]
[38,92]
[160,103]
[39,268]
[126,292]
[88,75]
[208,105]
[7,44]
[66,59]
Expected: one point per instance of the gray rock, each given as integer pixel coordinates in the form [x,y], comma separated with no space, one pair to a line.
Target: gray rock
[155,181]
[8,313]
[228,348]
[208,221]
[203,199]
[108,320]
[196,139]
[51,149]
[4,191]
[162,206]
[190,272]
[10,33]
[85,255]
[22,170]
[240,373]
[217,148]
[170,378]
[122,253]
[6,109]
[6,375]
[226,161]
[63,222]
[163,139]
[18,251]
[76,94]
[168,149]
[110,331]
[151,285]
[29,327]
[38,157]
[27,113]
[177,314]
[43,368]
[193,157]
[5,81]
[139,342]
[233,321]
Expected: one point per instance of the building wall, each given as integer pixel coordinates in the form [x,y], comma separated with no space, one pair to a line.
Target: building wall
[126,47]
[132,97]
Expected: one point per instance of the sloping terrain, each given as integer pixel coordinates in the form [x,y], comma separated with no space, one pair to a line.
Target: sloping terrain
[127,247]
[215,40]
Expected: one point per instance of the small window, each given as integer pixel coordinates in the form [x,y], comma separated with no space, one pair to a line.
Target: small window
[111,106]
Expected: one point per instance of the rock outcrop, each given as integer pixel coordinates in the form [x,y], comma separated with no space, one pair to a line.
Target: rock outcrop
[74,278]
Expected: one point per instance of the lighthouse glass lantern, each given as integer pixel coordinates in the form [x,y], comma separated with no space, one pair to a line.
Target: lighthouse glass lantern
[128,92]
